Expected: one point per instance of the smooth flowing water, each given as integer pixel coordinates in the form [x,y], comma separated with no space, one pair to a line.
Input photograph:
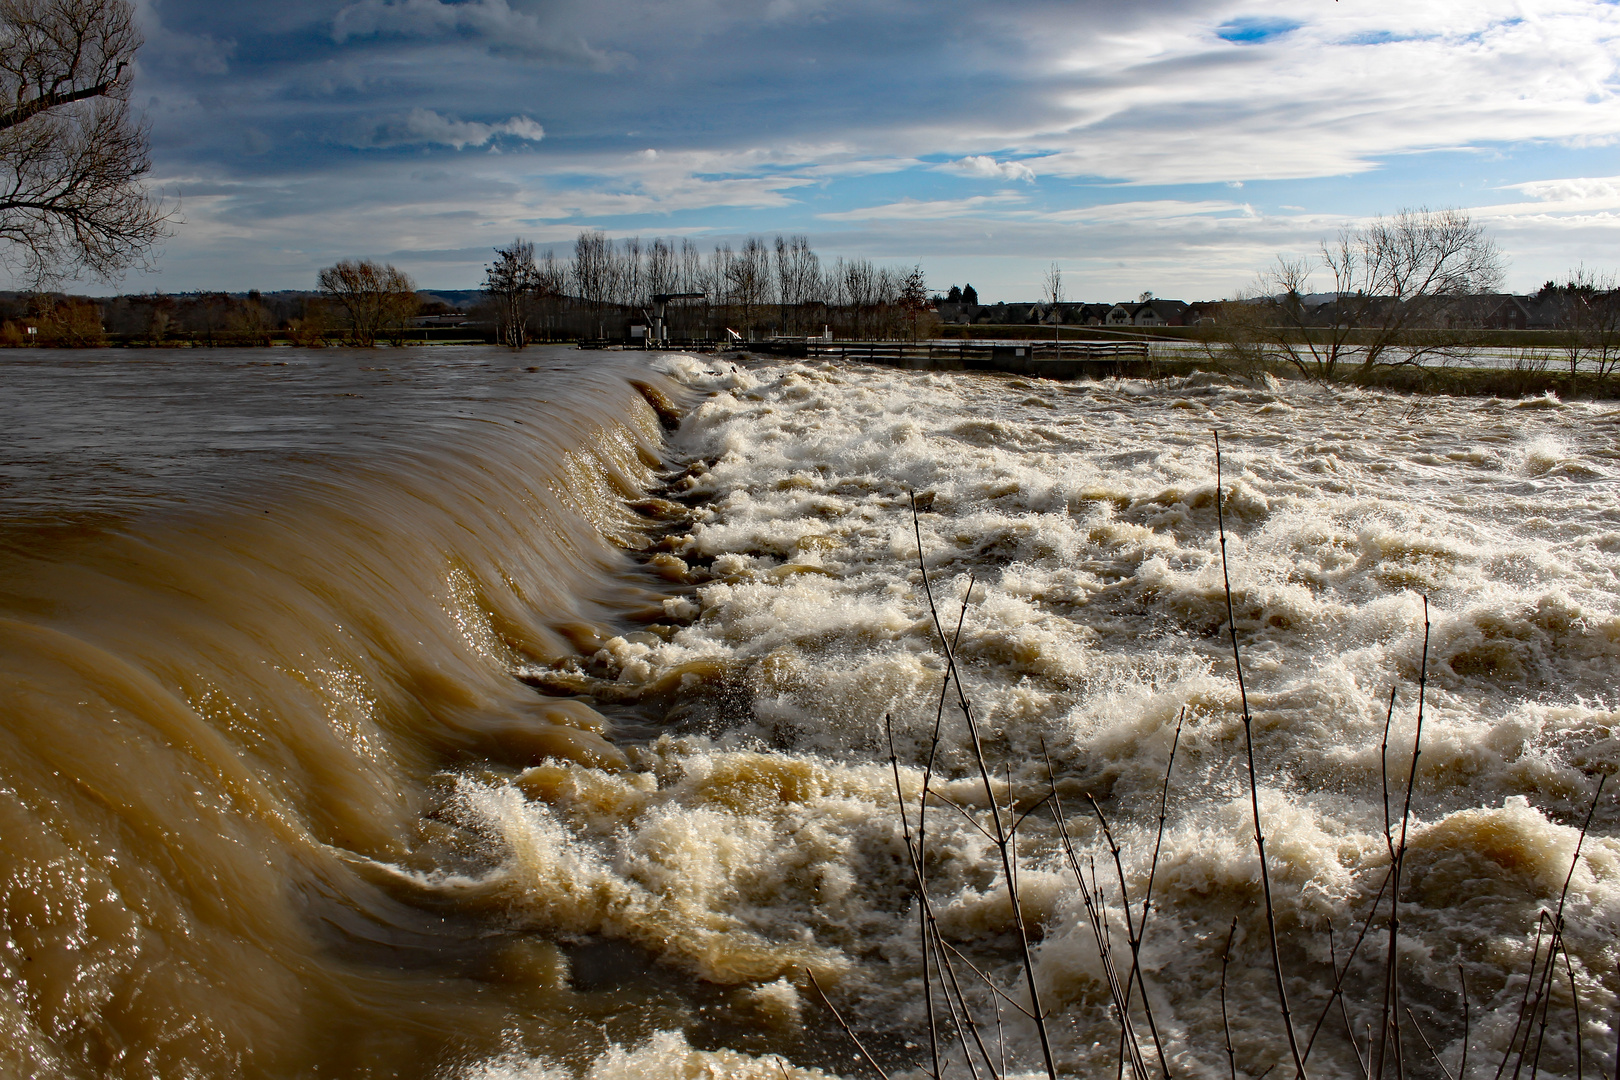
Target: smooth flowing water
[436,712]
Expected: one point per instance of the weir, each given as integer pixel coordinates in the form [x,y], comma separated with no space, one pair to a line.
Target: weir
[250,615]
[474,714]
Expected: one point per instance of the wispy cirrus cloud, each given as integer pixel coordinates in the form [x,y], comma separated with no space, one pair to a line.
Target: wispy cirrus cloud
[927,210]
[1152,211]
[426,127]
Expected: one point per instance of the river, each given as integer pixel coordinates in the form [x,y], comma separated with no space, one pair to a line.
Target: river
[456,712]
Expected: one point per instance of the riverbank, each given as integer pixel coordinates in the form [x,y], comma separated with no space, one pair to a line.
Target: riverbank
[1136,357]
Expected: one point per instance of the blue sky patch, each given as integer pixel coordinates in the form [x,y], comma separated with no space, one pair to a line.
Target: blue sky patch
[1253,30]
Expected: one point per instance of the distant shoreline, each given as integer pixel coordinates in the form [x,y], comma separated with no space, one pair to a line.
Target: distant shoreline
[1455,380]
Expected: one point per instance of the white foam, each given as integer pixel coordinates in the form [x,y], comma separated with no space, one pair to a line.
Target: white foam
[664,1056]
[1085,514]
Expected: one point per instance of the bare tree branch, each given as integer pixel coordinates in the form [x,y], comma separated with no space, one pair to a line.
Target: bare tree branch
[71,152]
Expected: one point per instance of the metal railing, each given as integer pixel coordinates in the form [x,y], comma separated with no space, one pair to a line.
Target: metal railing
[1033,356]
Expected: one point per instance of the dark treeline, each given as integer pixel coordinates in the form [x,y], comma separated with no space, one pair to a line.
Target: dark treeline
[600,288]
[205,318]
[760,288]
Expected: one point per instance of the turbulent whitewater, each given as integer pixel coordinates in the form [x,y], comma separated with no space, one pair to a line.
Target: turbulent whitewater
[459,719]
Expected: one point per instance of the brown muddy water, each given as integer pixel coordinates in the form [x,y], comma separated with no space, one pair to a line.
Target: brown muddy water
[442,712]
[256,609]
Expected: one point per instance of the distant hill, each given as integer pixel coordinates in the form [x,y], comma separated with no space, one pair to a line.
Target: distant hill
[460,299]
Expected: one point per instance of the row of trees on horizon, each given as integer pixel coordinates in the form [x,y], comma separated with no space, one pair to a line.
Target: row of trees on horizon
[1404,290]
[770,287]
[760,288]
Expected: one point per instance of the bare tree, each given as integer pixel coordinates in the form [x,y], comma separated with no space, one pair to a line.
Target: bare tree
[1587,313]
[593,270]
[513,282]
[1396,287]
[631,290]
[861,291]
[660,267]
[691,278]
[748,278]
[915,306]
[377,297]
[71,154]
[1052,293]
[798,279]
[1052,285]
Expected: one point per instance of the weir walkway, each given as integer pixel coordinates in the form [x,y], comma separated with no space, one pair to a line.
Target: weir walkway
[1041,359]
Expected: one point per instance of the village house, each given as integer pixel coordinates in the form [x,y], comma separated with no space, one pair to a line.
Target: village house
[1149,313]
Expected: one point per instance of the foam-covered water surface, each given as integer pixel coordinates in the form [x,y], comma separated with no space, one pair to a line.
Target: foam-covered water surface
[758,838]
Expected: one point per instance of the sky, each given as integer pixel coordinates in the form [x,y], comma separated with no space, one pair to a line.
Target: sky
[1177,146]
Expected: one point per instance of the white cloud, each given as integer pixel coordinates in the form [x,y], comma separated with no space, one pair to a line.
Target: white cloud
[1167,102]
[925,210]
[424,126]
[1603,191]
[988,167]
[1149,211]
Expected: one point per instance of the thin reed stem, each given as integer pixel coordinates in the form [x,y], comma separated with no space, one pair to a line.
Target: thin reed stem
[838,1017]
[1097,921]
[1557,939]
[1338,981]
[1226,1022]
[1575,1007]
[1383,774]
[988,982]
[1427,1045]
[1344,1012]
[1462,1066]
[925,907]
[1524,1000]
[1164,804]
[965,1018]
[1390,1021]
[1131,937]
[1254,783]
[915,856]
[1003,843]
